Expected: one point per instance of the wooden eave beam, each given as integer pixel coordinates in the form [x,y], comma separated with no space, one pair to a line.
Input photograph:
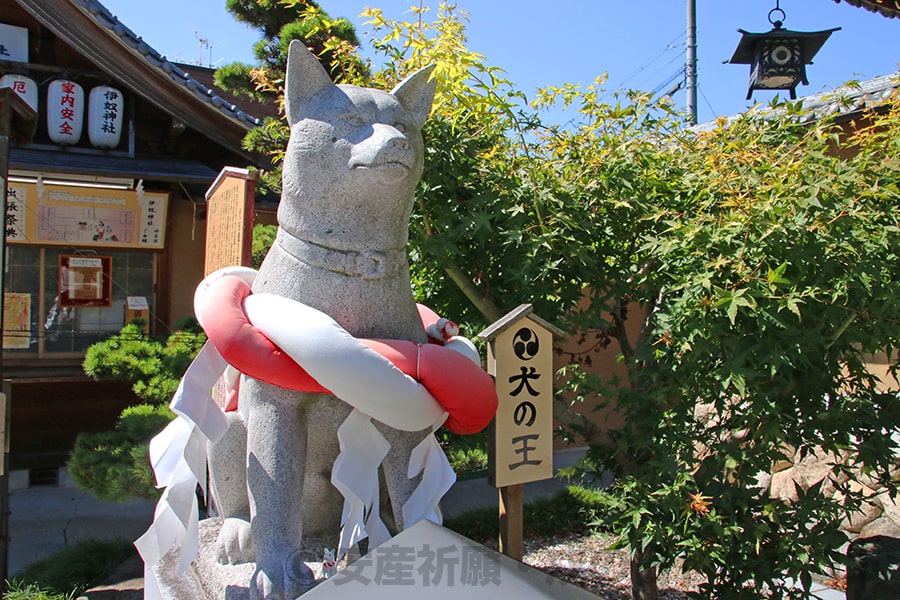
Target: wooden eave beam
[126,64]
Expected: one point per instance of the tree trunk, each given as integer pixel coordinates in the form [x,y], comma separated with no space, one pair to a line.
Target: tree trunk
[643,577]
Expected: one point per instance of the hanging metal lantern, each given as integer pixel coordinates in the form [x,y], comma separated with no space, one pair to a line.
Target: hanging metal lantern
[65,111]
[779,57]
[24,86]
[105,108]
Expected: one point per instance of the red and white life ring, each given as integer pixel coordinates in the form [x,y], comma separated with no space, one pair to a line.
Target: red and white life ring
[294,346]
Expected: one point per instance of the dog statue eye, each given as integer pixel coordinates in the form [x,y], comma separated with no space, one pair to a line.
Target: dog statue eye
[401,127]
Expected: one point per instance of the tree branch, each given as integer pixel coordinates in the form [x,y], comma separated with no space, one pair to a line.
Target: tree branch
[484,305]
[621,332]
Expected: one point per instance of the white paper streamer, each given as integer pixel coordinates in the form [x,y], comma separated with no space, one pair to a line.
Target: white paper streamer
[178,457]
[355,475]
[428,458]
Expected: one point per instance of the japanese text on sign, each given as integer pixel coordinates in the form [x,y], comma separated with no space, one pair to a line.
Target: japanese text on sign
[443,566]
[526,347]
[110,111]
[229,219]
[85,217]
[522,357]
[15,214]
[67,107]
[13,43]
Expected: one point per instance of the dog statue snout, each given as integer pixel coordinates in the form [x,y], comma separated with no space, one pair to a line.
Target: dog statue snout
[389,135]
[394,137]
[387,145]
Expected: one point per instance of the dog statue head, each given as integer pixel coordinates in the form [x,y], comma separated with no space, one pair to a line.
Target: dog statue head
[354,157]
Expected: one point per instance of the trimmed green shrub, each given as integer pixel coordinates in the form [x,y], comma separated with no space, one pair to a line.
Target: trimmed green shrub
[573,509]
[115,465]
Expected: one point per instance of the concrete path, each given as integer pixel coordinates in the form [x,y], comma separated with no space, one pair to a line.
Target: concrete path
[45,520]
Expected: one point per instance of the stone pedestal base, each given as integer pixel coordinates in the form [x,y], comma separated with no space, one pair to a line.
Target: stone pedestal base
[206,579]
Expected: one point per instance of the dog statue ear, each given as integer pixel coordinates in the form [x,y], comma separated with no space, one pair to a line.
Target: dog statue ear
[416,93]
[305,78]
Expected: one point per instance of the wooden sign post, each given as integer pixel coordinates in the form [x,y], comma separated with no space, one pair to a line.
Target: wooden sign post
[229,219]
[230,203]
[520,447]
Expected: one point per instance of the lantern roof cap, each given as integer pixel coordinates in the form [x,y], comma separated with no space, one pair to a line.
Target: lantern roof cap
[514,316]
[810,41]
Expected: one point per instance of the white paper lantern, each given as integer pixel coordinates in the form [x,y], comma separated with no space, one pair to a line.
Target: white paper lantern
[65,111]
[25,87]
[105,108]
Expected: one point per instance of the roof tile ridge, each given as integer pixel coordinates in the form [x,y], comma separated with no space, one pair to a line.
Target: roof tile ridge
[107,19]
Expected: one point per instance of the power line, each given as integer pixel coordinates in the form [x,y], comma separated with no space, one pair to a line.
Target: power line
[679,74]
[674,44]
[673,60]
[705,99]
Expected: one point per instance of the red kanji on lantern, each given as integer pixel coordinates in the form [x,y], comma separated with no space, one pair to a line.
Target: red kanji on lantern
[65,114]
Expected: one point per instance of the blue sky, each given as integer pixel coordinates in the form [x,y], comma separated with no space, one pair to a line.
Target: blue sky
[540,43]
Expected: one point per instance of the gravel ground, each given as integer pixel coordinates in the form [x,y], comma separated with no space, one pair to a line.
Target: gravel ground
[586,561]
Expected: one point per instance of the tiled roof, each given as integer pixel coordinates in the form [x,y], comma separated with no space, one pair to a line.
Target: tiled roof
[108,20]
[888,8]
[854,96]
[845,100]
[206,76]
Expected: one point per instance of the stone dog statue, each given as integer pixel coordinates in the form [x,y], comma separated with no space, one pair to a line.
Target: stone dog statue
[352,164]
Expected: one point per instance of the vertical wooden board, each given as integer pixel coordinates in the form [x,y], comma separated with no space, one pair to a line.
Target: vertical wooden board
[512,504]
[229,220]
[522,357]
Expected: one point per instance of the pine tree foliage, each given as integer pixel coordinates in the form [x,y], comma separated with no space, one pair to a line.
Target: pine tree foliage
[115,464]
[279,22]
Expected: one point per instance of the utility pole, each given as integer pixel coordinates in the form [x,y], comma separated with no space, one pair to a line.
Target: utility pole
[690,67]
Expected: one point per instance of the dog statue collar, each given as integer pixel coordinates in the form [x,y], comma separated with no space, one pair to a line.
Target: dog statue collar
[367,264]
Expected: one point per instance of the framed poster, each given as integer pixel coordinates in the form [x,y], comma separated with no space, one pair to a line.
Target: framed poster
[75,216]
[16,321]
[85,280]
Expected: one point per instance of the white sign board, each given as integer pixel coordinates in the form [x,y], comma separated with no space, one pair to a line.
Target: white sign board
[136,303]
[13,43]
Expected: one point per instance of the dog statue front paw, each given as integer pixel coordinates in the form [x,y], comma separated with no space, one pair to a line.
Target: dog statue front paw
[235,546]
[285,581]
